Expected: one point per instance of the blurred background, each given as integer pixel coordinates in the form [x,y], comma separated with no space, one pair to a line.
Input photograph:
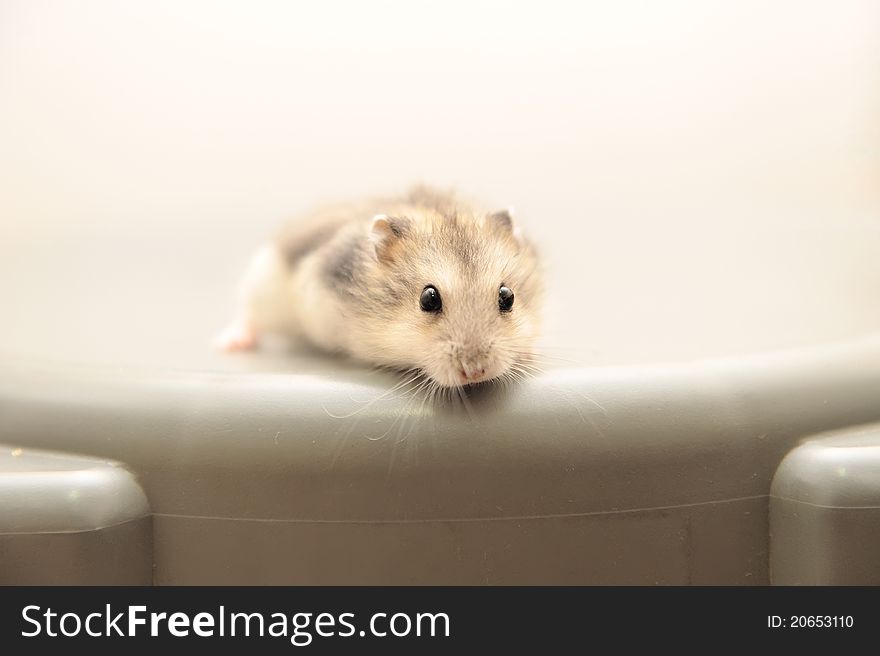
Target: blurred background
[703,177]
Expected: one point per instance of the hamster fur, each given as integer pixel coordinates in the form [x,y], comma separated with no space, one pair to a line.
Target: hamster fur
[351,279]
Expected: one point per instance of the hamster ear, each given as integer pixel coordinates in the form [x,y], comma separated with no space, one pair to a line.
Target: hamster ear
[385,233]
[502,220]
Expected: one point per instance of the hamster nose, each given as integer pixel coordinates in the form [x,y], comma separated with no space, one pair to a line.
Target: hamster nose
[471,374]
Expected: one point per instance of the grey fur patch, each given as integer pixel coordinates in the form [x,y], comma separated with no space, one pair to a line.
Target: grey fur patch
[343,263]
[461,244]
[295,249]
[399,227]
[502,219]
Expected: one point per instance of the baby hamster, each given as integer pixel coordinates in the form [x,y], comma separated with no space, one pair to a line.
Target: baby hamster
[425,281]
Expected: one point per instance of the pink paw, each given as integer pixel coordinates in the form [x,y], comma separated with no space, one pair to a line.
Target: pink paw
[237,336]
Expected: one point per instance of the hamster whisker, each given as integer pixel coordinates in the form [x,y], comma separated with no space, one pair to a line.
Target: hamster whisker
[520,376]
[427,389]
[467,405]
[533,369]
[515,345]
[551,351]
[402,416]
[413,376]
[414,380]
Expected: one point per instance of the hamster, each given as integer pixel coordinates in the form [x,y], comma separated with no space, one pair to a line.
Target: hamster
[422,282]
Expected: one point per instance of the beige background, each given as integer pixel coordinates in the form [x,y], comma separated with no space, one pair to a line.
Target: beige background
[703,177]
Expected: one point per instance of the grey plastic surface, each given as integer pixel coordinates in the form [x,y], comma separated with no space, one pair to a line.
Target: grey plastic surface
[634,474]
[825,511]
[71,520]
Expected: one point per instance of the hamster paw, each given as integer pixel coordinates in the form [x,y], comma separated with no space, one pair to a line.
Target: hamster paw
[237,336]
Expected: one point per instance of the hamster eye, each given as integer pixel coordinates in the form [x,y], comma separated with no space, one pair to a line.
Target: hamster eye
[430,300]
[505,299]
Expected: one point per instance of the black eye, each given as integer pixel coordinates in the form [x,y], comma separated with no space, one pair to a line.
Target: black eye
[430,300]
[505,299]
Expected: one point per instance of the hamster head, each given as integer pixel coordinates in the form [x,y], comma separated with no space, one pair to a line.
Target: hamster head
[456,297]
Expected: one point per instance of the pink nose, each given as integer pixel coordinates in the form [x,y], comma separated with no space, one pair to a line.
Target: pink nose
[473,374]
